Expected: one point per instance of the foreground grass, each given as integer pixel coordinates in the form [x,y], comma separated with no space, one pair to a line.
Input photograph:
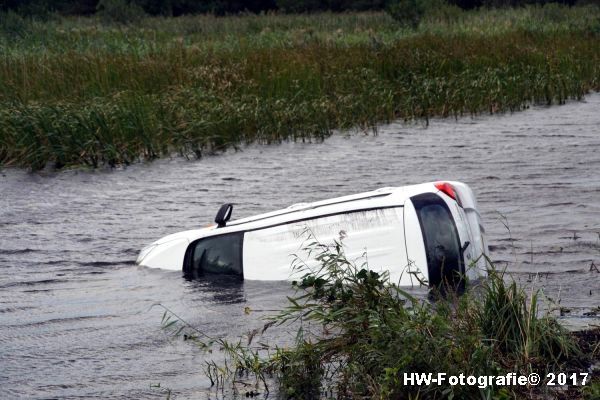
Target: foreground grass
[76,92]
[359,334]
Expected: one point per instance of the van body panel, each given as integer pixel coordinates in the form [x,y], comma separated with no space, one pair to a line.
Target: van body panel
[376,234]
[168,254]
[464,192]
[479,247]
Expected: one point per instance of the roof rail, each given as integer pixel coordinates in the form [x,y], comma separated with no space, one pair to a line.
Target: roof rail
[309,206]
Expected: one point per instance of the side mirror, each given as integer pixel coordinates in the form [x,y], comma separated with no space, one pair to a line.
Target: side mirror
[223,215]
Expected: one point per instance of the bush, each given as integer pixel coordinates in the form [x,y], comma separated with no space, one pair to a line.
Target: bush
[410,13]
[119,11]
[406,12]
[442,11]
[554,12]
[12,24]
[293,6]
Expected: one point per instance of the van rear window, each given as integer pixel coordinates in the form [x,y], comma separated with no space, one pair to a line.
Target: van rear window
[217,255]
[442,244]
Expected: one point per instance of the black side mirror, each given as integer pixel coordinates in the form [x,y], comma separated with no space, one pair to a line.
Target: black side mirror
[223,215]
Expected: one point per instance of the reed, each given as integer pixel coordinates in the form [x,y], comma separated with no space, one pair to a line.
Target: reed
[79,92]
[358,334]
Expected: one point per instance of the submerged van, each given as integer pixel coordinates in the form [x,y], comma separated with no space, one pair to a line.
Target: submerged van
[430,232]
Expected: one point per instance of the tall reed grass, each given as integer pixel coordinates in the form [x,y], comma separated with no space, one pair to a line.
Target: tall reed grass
[358,334]
[77,92]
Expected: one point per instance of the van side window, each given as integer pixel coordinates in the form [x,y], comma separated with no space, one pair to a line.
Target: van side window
[442,244]
[217,255]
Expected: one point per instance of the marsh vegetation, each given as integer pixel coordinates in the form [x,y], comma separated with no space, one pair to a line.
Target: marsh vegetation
[84,91]
[358,334]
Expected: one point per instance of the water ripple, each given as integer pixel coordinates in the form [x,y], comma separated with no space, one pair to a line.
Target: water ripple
[77,319]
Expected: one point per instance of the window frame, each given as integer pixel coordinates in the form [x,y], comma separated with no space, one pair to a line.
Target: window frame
[189,255]
[424,199]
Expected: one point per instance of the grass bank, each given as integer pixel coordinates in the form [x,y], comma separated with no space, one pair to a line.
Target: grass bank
[80,92]
[359,334]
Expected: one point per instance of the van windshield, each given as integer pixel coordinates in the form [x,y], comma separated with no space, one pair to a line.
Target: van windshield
[217,255]
[442,244]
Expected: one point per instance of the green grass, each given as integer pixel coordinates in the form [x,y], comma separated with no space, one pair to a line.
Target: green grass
[75,91]
[358,333]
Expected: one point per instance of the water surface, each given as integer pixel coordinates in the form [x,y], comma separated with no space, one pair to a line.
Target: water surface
[76,316]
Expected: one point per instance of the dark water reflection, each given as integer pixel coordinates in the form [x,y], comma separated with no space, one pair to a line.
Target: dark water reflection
[76,316]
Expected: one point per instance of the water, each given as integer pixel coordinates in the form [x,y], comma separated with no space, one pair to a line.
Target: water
[76,315]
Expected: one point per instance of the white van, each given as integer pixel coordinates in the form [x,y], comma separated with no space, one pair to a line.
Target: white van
[430,232]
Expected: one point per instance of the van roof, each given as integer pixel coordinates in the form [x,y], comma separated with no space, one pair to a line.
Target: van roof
[341,201]
[383,197]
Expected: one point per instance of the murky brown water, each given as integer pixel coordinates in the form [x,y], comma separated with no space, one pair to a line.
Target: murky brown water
[75,313]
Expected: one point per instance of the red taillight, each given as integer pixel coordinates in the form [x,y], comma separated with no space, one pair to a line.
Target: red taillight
[449,190]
